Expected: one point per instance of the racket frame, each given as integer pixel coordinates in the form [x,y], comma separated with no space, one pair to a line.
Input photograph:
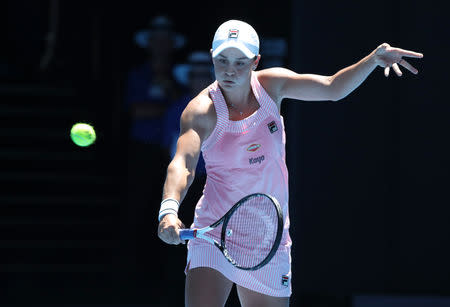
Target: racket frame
[188,234]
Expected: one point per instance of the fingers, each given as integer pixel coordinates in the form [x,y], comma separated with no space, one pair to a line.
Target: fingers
[397,69]
[408,66]
[168,229]
[391,56]
[170,235]
[408,53]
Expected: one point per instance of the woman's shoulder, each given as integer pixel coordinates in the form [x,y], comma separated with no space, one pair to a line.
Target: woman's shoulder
[270,76]
[271,80]
[200,113]
[201,105]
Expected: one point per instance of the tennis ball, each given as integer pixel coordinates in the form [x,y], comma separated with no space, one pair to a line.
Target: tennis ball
[82,134]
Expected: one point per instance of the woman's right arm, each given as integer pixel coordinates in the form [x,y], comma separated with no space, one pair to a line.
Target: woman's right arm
[197,122]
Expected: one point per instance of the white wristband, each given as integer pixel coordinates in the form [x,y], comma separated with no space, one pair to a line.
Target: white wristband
[168,206]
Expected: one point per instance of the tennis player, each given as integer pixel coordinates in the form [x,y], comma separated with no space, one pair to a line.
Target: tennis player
[237,125]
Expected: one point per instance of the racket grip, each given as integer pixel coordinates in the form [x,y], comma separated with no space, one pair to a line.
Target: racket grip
[188,234]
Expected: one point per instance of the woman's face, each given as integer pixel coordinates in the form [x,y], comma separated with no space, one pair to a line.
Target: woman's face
[232,68]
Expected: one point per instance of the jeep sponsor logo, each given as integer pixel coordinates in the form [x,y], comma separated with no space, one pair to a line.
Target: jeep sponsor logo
[253,147]
[256,160]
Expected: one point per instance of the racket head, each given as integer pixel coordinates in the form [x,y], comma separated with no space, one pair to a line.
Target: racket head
[256,221]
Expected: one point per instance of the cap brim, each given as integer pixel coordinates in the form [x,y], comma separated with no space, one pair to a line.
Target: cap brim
[233,44]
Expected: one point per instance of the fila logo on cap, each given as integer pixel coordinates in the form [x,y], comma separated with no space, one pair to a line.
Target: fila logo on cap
[233,33]
[236,34]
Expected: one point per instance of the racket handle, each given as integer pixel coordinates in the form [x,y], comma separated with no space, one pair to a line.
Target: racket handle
[188,234]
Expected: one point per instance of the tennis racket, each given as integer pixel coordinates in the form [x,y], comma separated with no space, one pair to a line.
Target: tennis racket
[251,232]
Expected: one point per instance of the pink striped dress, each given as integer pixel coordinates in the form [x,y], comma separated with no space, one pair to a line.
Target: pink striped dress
[244,157]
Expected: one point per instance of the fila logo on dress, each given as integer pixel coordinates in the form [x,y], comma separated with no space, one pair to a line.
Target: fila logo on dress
[272,127]
[285,280]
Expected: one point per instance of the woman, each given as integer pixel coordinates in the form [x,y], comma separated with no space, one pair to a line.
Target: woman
[242,108]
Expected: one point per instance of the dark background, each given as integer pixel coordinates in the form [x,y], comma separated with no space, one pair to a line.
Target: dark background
[369,174]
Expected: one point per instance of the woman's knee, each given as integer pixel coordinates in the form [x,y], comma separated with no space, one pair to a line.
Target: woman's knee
[249,298]
[206,287]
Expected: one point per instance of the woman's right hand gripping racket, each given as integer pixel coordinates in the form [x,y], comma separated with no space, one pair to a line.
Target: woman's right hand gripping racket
[251,231]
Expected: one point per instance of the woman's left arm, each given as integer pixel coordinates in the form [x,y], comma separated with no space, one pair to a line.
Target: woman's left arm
[349,78]
[312,87]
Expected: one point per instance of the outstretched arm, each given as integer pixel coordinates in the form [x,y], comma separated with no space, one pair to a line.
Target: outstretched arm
[197,122]
[310,87]
[349,78]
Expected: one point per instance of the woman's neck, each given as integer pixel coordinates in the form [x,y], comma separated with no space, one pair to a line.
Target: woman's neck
[241,101]
[238,97]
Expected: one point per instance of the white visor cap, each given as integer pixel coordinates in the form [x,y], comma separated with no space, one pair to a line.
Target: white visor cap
[237,34]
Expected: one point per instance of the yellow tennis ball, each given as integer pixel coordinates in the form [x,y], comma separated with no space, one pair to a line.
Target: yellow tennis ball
[82,134]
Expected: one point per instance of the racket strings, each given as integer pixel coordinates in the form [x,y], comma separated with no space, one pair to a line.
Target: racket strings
[251,231]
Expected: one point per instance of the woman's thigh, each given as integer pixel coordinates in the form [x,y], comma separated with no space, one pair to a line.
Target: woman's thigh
[206,287]
[251,298]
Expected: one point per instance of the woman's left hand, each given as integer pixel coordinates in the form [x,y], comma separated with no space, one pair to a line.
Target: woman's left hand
[387,57]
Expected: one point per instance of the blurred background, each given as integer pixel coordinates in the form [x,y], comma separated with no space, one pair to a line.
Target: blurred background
[369,175]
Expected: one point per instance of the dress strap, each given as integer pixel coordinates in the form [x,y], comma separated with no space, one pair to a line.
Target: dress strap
[222,115]
[265,101]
